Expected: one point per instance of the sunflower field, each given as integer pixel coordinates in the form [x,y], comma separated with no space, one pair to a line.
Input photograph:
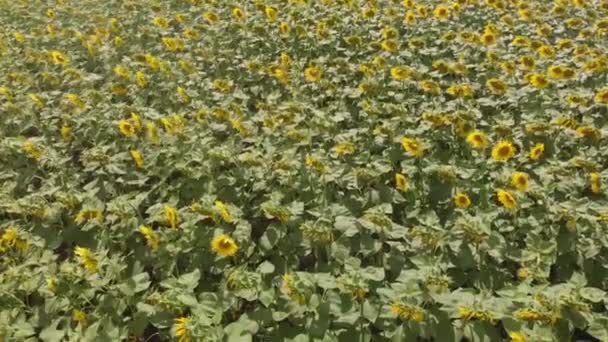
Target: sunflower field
[304,170]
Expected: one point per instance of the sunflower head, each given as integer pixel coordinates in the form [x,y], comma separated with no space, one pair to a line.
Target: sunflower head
[224,246]
[503,151]
[477,139]
[462,200]
[520,180]
[506,199]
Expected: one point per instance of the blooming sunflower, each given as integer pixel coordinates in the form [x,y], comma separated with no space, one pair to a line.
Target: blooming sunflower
[520,180]
[400,182]
[462,200]
[401,73]
[313,74]
[180,327]
[224,246]
[503,150]
[412,147]
[537,151]
[506,199]
[86,258]
[477,139]
[126,128]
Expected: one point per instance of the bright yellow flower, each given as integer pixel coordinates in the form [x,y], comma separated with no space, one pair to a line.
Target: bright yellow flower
[86,258]
[539,81]
[140,77]
[66,133]
[517,337]
[313,74]
[238,13]
[344,148]
[181,330]
[441,12]
[401,73]
[79,316]
[462,200]
[400,182]
[271,13]
[126,128]
[224,212]
[137,158]
[537,151]
[389,45]
[86,215]
[211,18]
[151,238]
[412,147]
[224,246]
[171,218]
[477,139]
[520,180]
[58,58]
[503,150]
[32,150]
[506,199]
[601,96]
[596,182]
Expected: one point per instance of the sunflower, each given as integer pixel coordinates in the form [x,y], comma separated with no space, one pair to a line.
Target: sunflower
[601,96]
[539,81]
[503,150]
[86,258]
[462,200]
[152,239]
[520,180]
[412,147]
[224,246]
[400,182]
[488,38]
[313,74]
[441,12]
[496,86]
[171,218]
[180,327]
[389,45]
[137,158]
[506,199]
[238,13]
[596,182]
[401,73]
[516,336]
[537,151]
[477,139]
[126,128]
[58,58]
[271,13]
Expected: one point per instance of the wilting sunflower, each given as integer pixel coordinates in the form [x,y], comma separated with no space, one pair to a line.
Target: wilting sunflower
[224,246]
[506,199]
[503,150]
